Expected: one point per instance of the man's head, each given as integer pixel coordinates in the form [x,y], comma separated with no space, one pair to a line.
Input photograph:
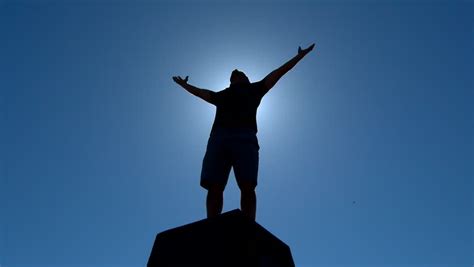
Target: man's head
[238,77]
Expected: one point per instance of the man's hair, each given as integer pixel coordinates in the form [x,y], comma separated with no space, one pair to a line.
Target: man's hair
[237,76]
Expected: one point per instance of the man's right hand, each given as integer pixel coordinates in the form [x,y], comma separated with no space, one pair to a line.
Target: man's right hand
[306,50]
[201,93]
[180,81]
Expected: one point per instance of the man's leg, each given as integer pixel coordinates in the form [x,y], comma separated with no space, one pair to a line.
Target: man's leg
[245,156]
[215,200]
[215,171]
[248,199]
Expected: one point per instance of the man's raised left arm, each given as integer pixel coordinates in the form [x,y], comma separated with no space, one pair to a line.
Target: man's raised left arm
[272,78]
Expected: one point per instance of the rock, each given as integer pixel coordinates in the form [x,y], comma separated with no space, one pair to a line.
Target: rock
[230,239]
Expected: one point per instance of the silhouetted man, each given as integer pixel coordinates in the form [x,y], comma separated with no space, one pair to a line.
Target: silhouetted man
[233,140]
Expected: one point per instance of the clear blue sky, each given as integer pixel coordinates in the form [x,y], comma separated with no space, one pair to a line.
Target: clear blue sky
[100,150]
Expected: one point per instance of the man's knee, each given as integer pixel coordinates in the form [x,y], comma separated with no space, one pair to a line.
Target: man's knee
[216,188]
[247,187]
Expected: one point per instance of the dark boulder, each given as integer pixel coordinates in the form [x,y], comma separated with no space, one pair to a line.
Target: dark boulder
[227,240]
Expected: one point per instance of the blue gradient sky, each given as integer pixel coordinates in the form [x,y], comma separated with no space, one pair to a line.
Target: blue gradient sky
[101,150]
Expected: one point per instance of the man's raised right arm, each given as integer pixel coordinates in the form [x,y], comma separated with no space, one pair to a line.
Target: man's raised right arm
[201,93]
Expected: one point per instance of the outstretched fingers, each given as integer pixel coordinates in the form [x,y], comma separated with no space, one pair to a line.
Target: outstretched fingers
[307,50]
[180,80]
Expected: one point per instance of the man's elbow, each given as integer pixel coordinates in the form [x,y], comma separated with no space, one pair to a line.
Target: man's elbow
[206,96]
[269,83]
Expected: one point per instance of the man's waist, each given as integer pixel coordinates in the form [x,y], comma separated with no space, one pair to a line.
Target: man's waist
[216,129]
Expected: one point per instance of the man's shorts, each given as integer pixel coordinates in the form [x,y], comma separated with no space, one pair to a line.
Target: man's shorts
[230,148]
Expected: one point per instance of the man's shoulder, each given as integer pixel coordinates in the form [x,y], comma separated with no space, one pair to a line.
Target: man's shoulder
[258,84]
[259,88]
[225,90]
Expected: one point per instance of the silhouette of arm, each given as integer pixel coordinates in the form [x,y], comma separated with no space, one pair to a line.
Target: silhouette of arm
[271,79]
[201,93]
